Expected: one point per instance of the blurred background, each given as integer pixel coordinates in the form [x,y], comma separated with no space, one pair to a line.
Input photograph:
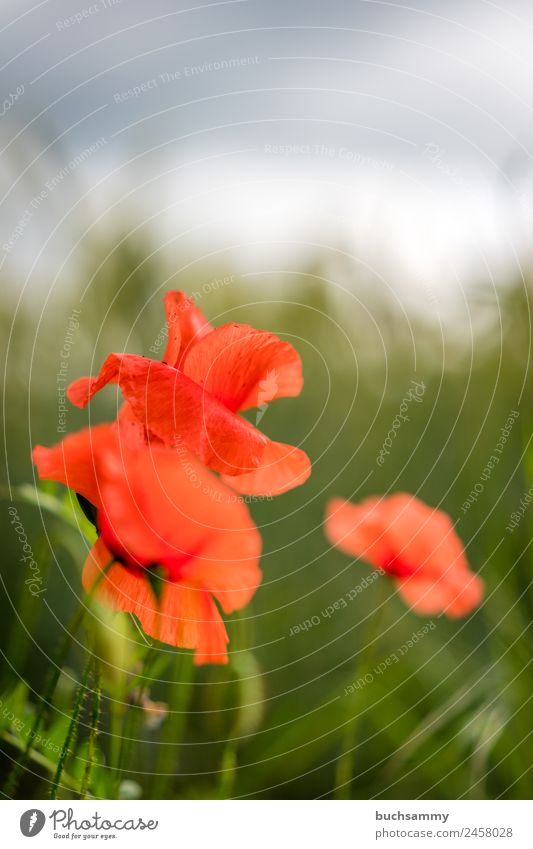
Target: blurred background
[357,178]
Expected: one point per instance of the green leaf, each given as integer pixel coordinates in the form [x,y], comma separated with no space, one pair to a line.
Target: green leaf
[36,757]
[67,508]
[16,710]
[250,711]
[464,699]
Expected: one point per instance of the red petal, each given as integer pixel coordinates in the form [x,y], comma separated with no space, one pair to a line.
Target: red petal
[179,412]
[405,536]
[227,563]
[160,508]
[188,618]
[243,367]
[422,535]
[282,468]
[82,390]
[132,433]
[186,325]
[72,461]
[455,592]
[357,529]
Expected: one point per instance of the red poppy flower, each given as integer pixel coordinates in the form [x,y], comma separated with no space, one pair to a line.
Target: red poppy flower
[192,398]
[415,544]
[166,519]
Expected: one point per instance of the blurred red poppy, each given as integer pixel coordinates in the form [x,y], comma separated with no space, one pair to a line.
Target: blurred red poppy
[192,398]
[415,544]
[177,536]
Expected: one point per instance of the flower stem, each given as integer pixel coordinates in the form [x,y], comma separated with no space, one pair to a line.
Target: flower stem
[228,771]
[228,765]
[13,778]
[70,737]
[179,695]
[95,721]
[345,762]
[134,712]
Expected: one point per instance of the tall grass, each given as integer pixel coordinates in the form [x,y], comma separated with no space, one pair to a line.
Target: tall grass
[446,722]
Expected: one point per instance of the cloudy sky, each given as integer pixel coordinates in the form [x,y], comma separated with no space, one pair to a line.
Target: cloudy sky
[402,131]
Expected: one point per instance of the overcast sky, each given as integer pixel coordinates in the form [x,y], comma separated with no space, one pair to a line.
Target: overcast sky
[255,118]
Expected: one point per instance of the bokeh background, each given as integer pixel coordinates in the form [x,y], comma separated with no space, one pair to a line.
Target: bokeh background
[356,177]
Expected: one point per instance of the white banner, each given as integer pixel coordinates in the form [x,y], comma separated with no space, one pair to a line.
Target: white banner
[268,824]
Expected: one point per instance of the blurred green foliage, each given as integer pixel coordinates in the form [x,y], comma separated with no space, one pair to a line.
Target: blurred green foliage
[451,720]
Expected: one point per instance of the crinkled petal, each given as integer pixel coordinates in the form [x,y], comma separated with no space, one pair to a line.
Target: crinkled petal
[186,325]
[177,410]
[82,390]
[187,618]
[282,468]
[132,433]
[455,592]
[243,367]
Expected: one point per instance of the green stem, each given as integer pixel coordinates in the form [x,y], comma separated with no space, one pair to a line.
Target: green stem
[70,737]
[95,721]
[228,765]
[228,771]
[61,655]
[131,726]
[13,778]
[345,762]
[179,696]
[115,735]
